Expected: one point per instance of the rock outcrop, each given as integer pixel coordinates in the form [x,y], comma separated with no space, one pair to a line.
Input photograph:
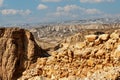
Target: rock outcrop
[18,51]
[96,58]
[51,35]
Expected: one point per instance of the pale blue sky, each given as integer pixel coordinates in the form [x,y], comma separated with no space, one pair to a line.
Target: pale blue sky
[34,11]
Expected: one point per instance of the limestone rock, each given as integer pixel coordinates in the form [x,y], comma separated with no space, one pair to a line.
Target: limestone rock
[18,51]
[77,52]
[117,53]
[90,38]
[80,45]
[100,53]
[97,41]
[90,62]
[115,35]
[104,37]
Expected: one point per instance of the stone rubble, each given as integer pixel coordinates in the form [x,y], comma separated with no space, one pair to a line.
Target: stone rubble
[96,58]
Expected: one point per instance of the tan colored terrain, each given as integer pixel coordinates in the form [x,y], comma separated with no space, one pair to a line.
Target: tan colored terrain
[89,55]
[96,58]
[51,35]
[18,51]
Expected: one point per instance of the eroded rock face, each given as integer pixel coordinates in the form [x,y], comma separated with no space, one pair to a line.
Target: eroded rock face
[18,51]
[95,58]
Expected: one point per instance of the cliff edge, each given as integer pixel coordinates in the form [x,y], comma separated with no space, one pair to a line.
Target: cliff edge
[18,50]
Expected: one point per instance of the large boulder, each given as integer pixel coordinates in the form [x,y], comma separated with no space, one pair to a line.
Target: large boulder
[104,37]
[18,50]
[91,38]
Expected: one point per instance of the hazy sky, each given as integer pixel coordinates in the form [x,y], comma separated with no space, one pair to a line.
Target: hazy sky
[33,11]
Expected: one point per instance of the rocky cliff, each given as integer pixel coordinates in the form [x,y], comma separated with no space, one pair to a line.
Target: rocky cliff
[96,58]
[18,51]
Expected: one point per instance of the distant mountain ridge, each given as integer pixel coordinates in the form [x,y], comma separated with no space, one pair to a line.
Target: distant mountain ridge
[66,30]
[70,22]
